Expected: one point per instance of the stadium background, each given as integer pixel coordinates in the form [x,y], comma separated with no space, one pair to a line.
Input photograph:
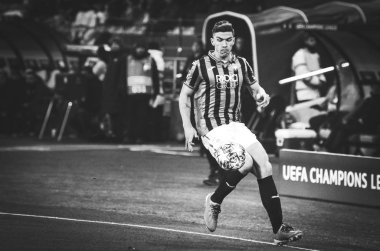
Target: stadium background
[141,188]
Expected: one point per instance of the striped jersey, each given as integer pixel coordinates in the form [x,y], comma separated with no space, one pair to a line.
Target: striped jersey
[217,86]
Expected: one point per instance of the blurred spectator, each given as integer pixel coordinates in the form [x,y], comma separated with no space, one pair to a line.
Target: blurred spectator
[93,77]
[330,114]
[142,86]
[85,22]
[156,52]
[97,65]
[348,98]
[129,16]
[36,99]
[306,60]
[101,14]
[51,79]
[78,26]
[157,104]
[114,91]
[363,119]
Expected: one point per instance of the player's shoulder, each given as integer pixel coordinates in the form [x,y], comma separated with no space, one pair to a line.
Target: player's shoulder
[204,58]
[199,61]
[240,58]
[242,61]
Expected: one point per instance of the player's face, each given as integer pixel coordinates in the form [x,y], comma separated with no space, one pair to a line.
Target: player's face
[223,43]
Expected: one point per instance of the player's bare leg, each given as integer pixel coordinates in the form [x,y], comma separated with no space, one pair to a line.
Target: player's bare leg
[270,198]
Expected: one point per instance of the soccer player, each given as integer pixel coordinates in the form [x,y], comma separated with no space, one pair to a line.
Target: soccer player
[215,81]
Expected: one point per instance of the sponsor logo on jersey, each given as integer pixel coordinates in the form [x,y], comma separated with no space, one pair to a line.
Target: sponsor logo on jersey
[226,81]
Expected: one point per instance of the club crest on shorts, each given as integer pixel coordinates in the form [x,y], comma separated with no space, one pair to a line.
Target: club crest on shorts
[230,156]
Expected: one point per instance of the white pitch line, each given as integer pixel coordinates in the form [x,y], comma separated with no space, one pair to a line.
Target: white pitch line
[149,227]
[163,149]
[175,153]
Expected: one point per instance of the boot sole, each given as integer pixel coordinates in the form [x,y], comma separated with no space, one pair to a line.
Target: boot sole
[294,238]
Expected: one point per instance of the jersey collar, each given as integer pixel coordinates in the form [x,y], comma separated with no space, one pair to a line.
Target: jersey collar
[212,55]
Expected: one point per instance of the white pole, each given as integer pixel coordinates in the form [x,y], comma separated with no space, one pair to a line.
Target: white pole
[46,119]
[312,73]
[67,113]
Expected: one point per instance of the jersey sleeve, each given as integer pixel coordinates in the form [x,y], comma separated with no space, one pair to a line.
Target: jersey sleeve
[249,75]
[193,77]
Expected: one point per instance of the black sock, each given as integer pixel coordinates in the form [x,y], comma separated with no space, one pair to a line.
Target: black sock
[271,201]
[232,178]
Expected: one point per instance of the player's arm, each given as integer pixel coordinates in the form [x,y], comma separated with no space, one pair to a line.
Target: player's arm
[185,109]
[192,80]
[261,97]
[259,94]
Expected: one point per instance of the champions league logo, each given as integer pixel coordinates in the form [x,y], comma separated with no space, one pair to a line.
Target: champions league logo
[226,81]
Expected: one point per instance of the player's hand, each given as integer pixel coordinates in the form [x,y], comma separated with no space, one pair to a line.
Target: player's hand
[190,135]
[262,99]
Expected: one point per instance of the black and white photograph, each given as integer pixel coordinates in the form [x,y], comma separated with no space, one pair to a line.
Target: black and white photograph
[175,125]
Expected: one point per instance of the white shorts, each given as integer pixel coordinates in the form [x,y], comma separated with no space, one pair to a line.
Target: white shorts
[227,144]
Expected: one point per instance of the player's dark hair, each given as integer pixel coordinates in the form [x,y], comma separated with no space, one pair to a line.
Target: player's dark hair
[223,26]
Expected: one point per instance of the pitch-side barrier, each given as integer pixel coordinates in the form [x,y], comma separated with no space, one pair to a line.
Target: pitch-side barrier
[326,176]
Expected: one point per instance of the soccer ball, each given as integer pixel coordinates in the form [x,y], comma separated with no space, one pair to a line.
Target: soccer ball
[230,156]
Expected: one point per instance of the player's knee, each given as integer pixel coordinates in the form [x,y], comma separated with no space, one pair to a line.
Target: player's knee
[248,164]
[262,167]
[265,170]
